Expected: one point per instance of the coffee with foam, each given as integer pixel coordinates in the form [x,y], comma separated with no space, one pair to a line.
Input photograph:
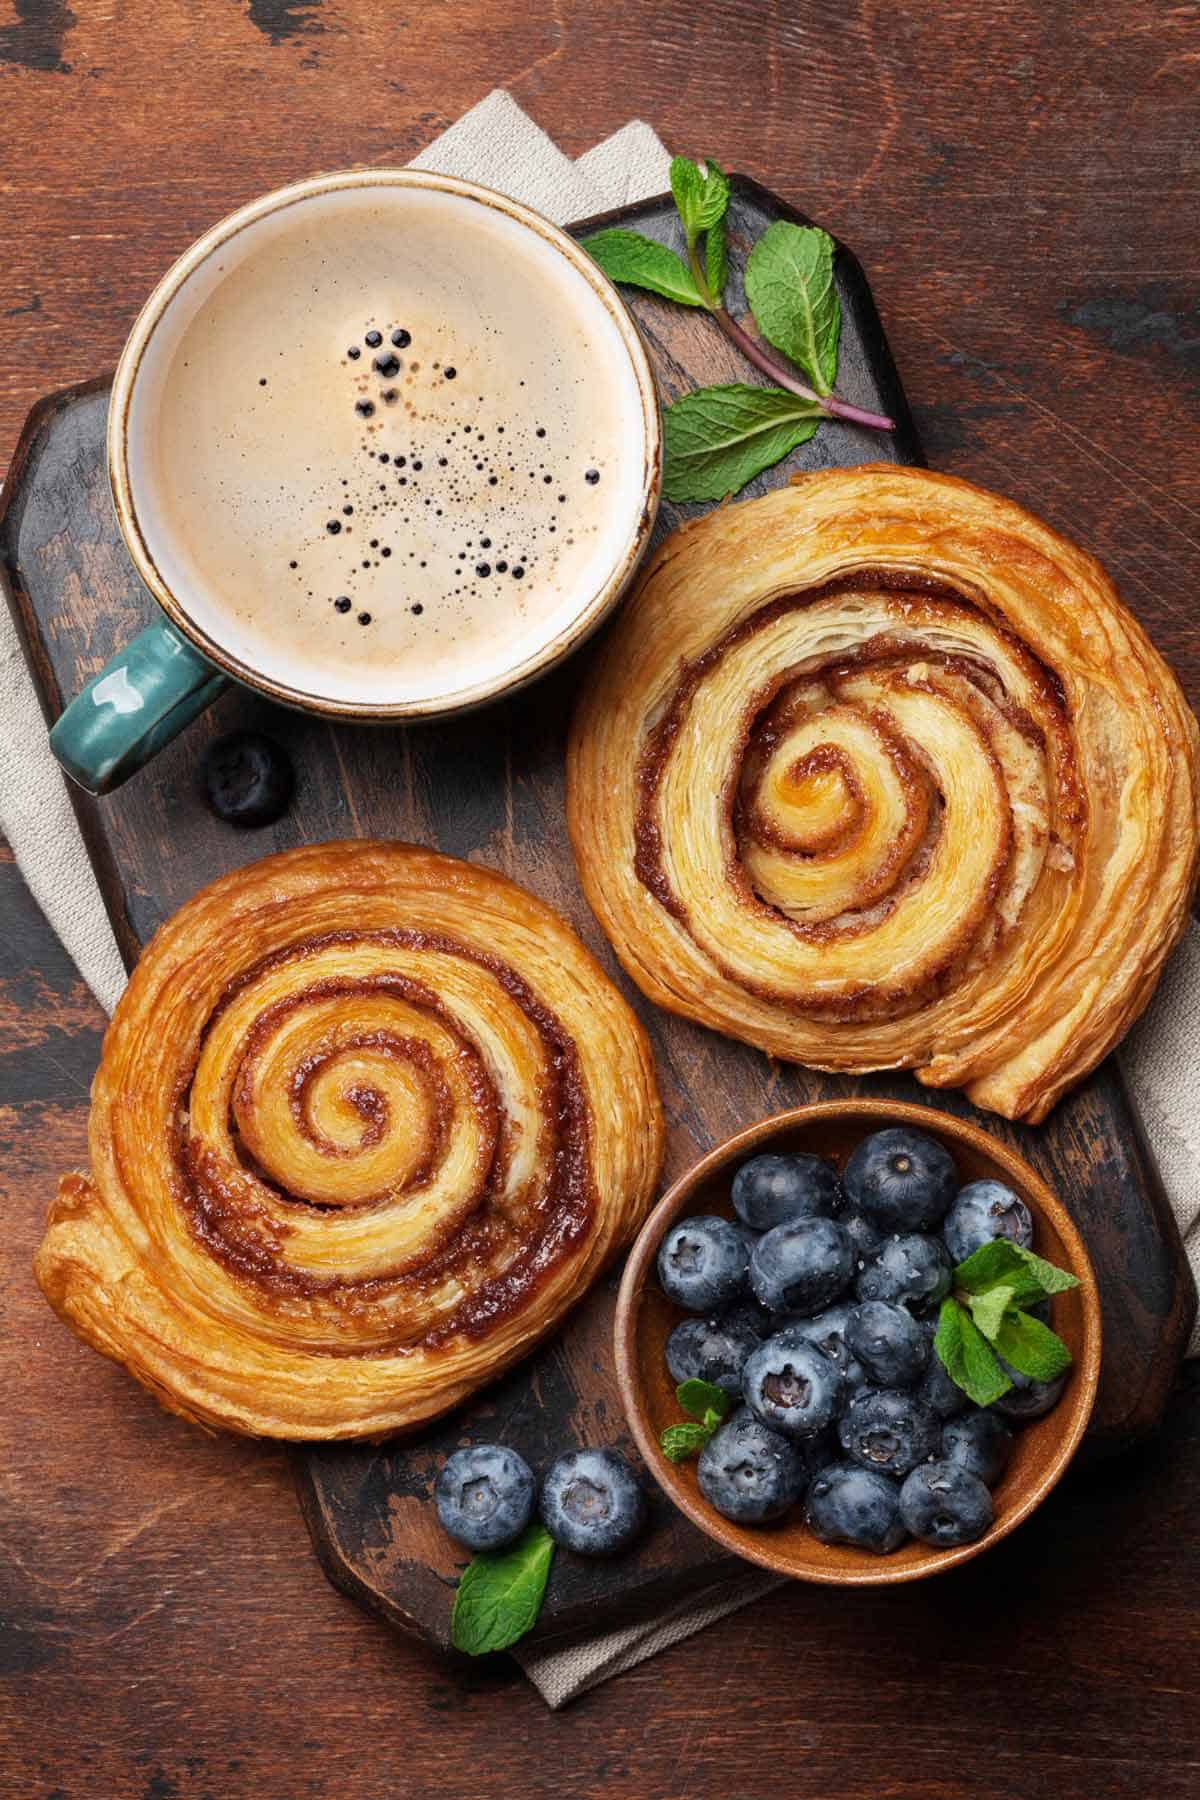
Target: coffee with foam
[385,444]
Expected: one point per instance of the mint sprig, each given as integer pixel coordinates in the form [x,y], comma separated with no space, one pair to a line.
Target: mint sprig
[789,284]
[790,289]
[984,1318]
[719,438]
[707,1405]
[500,1594]
[642,262]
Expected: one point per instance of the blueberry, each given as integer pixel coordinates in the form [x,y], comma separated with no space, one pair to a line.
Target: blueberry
[979,1442]
[943,1504]
[702,1263]
[983,1211]
[882,1429]
[1027,1398]
[750,1474]
[484,1496]
[863,1234]
[935,1387]
[826,1332]
[801,1266]
[888,1342]
[713,1349]
[592,1502]
[850,1505]
[751,1312]
[748,1237]
[769,1190]
[248,780]
[902,1179]
[913,1270]
[791,1386]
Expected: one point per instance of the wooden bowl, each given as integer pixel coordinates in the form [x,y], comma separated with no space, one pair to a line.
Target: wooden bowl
[645,1317]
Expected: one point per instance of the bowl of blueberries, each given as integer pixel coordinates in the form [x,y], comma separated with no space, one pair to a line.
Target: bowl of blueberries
[858,1342]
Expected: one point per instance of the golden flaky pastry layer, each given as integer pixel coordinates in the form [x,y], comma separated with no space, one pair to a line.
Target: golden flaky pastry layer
[877,772]
[368,1121]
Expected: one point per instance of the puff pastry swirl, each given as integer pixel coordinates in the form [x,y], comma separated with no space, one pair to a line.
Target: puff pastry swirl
[877,772]
[368,1121]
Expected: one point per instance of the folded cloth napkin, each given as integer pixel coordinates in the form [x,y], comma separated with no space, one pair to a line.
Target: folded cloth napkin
[496,143]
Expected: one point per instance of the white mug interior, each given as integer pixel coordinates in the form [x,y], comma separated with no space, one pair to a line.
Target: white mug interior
[384,444]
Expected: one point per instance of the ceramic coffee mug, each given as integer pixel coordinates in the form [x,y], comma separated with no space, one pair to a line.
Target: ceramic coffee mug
[383,445]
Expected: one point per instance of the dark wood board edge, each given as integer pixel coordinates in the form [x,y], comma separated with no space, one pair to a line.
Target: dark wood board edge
[431,1621]
[42,416]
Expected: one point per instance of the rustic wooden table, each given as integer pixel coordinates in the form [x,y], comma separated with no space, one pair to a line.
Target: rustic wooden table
[1020,183]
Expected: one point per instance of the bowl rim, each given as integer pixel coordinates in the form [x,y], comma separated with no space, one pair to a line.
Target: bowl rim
[639,1264]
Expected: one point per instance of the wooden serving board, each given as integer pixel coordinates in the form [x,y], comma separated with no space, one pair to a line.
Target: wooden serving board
[490,788]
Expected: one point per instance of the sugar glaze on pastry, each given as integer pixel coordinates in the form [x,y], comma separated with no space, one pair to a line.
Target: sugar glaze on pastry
[368,1121]
[877,772]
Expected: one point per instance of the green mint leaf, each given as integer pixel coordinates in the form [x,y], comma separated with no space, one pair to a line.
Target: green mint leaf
[629,257]
[698,1398]
[687,187]
[714,195]
[789,284]
[678,1442]
[996,1265]
[719,438]
[1032,1348]
[701,192]
[1049,1277]
[1003,1263]
[500,1594]
[988,1309]
[964,1354]
[716,259]
[990,1266]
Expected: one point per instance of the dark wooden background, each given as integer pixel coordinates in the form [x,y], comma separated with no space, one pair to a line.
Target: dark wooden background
[1020,182]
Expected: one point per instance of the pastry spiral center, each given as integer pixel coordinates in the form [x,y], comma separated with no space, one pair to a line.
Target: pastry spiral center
[882,805]
[387,1110]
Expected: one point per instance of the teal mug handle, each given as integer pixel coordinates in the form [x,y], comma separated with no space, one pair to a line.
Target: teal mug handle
[148,692]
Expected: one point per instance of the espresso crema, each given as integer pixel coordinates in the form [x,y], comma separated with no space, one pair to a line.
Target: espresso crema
[386,444]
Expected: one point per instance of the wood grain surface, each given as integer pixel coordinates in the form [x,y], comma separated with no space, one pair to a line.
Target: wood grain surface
[1020,181]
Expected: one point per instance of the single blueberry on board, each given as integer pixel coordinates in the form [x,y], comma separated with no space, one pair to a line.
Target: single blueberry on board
[714,1349]
[909,1270]
[888,1342]
[484,1496]
[903,1180]
[802,1266]
[884,1429]
[984,1211]
[943,1504]
[791,1387]
[847,1504]
[749,1473]
[768,1190]
[980,1442]
[592,1502]
[248,780]
[702,1263]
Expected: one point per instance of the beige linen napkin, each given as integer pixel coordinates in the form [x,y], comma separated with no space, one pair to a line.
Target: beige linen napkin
[496,143]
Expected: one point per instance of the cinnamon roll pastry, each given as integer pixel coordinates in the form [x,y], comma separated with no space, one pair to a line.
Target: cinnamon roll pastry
[877,772]
[368,1121]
